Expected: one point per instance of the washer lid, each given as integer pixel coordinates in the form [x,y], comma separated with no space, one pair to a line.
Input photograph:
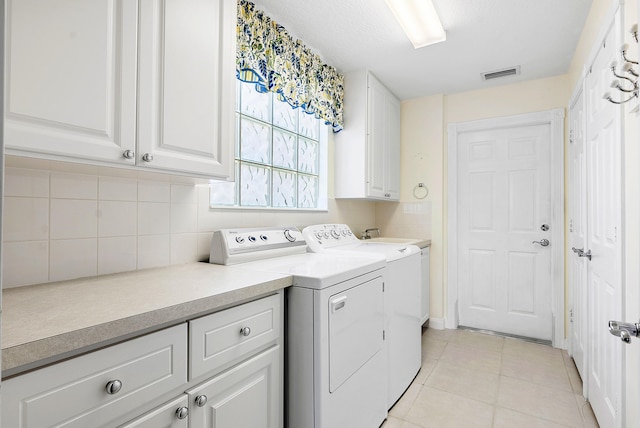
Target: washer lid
[390,251]
[318,271]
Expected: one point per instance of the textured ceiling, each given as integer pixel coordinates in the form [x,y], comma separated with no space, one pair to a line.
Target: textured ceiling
[482,35]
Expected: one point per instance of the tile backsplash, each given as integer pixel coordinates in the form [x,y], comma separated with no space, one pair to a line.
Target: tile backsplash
[64,221]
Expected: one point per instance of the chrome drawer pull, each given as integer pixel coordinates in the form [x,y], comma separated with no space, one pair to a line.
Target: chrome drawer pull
[245,331]
[182,413]
[201,400]
[113,387]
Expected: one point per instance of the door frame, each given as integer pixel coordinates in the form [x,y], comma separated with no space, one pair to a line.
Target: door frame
[554,118]
[578,91]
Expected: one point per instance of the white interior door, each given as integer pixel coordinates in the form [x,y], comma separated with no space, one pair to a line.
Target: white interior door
[577,209]
[603,145]
[504,199]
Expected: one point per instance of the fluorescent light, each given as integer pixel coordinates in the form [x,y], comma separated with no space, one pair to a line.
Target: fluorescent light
[419,20]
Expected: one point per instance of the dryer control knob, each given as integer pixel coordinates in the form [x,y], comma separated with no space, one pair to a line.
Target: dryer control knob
[335,234]
[289,236]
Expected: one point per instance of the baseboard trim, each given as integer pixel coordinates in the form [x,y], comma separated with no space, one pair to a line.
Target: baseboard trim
[436,323]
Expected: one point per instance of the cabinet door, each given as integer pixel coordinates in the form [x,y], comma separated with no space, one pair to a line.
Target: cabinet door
[247,396]
[376,129]
[392,148]
[166,416]
[187,86]
[70,68]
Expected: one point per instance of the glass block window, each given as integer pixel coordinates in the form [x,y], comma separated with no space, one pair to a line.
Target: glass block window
[280,156]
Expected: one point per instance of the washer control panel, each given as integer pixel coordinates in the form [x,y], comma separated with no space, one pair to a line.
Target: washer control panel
[321,236]
[230,246]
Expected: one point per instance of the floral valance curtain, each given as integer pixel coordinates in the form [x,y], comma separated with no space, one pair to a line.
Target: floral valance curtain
[269,57]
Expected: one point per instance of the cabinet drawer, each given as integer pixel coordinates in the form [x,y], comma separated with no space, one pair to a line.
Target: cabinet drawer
[75,393]
[229,336]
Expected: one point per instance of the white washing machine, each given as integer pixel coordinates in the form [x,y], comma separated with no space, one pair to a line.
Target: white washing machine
[403,292]
[335,326]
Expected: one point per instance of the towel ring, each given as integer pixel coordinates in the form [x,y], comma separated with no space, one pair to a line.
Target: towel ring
[420,191]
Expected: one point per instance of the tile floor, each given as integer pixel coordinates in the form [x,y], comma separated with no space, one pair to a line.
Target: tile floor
[470,379]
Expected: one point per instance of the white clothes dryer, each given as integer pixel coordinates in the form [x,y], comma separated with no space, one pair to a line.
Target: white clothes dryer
[334,321]
[403,292]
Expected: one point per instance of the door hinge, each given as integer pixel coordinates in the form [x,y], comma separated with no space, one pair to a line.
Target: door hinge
[383,335]
[383,287]
[570,315]
[570,225]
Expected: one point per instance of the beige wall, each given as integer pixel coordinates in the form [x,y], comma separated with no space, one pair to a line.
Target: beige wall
[424,155]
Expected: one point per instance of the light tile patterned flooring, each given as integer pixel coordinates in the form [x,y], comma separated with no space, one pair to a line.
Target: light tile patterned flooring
[470,379]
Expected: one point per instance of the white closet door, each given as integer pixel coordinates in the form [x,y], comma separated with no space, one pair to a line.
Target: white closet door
[604,193]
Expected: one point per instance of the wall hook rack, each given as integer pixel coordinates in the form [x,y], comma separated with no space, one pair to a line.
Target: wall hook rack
[628,83]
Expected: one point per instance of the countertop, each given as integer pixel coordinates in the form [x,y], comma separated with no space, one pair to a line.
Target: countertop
[422,243]
[45,323]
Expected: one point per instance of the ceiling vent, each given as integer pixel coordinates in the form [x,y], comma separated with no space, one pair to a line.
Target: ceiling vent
[511,71]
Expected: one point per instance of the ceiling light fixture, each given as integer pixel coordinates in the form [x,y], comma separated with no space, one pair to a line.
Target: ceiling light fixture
[419,20]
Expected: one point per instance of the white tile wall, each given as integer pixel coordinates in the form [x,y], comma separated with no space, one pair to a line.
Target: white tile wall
[65,221]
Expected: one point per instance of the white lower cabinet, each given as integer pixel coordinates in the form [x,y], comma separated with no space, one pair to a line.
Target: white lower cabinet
[246,396]
[98,389]
[174,414]
[127,385]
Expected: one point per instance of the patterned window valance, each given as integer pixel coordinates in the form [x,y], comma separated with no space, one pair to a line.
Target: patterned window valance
[269,57]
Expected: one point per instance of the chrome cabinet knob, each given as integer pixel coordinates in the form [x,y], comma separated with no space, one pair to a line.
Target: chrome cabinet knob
[113,387]
[201,400]
[182,412]
[387,195]
[147,157]
[129,154]
[245,331]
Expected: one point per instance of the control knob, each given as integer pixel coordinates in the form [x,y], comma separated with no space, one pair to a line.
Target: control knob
[239,239]
[289,236]
[335,234]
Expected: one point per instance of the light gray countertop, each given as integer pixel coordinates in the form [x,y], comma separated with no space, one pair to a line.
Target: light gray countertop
[45,323]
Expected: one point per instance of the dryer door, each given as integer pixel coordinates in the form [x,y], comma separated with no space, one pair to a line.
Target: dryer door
[356,324]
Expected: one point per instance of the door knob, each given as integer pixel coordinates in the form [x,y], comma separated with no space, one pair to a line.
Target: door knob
[624,330]
[542,242]
[587,254]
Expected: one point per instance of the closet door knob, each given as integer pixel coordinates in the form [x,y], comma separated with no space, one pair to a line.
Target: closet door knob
[129,154]
[147,157]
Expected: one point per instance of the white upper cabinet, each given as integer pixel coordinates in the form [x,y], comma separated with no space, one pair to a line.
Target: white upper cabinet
[147,83]
[71,78]
[187,85]
[367,151]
